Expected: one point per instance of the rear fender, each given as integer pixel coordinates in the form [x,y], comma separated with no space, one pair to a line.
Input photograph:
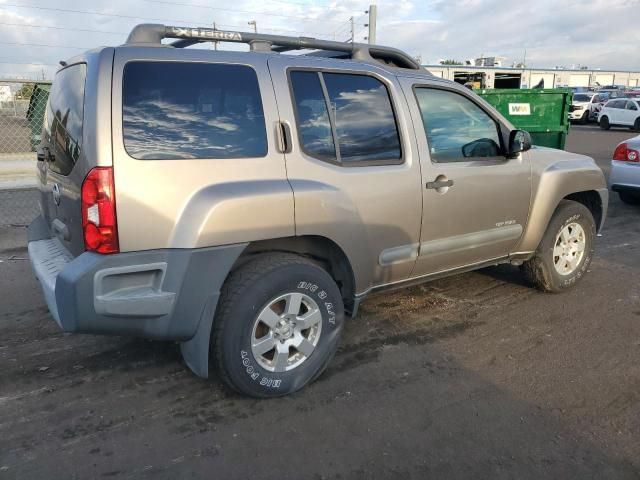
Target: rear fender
[235,212]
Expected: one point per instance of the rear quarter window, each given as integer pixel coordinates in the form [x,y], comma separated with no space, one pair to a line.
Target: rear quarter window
[177,110]
[65,117]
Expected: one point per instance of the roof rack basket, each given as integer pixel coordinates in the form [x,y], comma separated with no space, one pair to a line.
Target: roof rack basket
[149,33]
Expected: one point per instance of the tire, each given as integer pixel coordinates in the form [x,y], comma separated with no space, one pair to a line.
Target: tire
[604,123]
[629,198]
[541,269]
[636,125]
[276,280]
[585,118]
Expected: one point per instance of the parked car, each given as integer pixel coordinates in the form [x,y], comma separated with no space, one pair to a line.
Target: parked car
[620,112]
[241,202]
[585,106]
[612,92]
[625,171]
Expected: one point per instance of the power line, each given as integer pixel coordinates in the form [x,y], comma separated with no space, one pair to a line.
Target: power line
[44,45]
[25,25]
[193,22]
[249,12]
[115,15]
[29,63]
[61,28]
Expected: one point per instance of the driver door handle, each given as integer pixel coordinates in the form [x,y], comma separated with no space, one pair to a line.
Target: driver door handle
[439,184]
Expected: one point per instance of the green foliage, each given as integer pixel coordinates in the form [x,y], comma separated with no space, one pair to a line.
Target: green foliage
[26,90]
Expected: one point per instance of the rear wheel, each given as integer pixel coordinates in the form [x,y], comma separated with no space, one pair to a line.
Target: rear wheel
[278,325]
[585,118]
[604,123]
[566,249]
[629,198]
[636,125]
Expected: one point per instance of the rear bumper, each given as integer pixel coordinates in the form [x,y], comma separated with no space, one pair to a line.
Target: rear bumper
[624,177]
[159,294]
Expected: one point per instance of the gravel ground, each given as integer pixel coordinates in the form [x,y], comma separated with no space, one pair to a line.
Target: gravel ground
[474,376]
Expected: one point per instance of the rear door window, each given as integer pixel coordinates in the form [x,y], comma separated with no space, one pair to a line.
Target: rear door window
[364,119]
[345,118]
[313,116]
[175,110]
[65,117]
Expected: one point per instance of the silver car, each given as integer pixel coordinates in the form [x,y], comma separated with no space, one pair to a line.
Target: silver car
[625,171]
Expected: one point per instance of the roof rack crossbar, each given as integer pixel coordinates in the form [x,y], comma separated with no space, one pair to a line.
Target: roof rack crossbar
[149,33]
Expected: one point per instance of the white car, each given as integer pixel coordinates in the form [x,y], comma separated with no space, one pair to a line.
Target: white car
[623,112]
[585,106]
[625,171]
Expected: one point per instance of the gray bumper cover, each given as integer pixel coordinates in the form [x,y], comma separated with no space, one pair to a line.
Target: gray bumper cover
[168,294]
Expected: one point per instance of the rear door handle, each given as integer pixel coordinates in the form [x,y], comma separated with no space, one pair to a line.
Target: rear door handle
[283,137]
[439,184]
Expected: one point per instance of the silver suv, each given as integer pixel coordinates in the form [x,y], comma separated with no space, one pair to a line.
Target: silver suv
[241,202]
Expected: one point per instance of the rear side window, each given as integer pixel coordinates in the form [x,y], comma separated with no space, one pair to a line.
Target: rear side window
[65,116]
[345,118]
[177,110]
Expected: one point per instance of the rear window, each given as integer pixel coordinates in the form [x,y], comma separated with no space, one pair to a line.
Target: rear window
[65,116]
[192,110]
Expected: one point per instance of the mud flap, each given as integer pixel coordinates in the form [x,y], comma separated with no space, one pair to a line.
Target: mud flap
[195,352]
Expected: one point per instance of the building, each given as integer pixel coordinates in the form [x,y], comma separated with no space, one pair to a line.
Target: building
[506,77]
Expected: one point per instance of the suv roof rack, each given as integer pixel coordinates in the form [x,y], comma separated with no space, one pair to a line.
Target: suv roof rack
[150,33]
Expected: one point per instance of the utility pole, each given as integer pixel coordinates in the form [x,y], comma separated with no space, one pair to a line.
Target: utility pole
[255,25]
[353,30]
[373,14]
[215,44]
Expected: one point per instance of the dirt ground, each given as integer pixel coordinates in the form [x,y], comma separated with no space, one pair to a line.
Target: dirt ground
[474,376]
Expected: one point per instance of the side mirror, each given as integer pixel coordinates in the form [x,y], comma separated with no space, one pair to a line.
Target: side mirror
[519,141]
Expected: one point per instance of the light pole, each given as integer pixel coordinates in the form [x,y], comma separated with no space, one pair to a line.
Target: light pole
[255,25]
[373,19]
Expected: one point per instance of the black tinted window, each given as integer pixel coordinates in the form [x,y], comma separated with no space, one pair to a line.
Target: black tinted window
[581,98]
[364,119]
[313,118]
[192,110]
[64,117]
[457,129]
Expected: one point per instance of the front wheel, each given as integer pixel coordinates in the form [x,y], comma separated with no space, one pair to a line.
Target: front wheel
[566,249]
[278,325]
[630,198]
[604,123]
[636,125]
[585,118]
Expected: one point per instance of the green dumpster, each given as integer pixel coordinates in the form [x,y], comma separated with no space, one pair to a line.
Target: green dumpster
[544,113]
[36,110]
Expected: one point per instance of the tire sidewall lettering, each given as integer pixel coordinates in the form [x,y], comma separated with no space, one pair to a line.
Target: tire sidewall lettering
[331,316]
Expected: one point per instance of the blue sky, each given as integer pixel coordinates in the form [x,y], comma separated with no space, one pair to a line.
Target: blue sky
[597,33]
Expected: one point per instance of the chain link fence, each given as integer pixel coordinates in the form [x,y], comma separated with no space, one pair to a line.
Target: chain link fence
[22,111]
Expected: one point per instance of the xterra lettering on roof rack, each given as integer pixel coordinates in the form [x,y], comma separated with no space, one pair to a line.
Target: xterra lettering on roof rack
[183,32]
[153,34]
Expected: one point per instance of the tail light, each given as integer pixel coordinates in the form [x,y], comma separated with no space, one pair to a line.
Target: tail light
[625,154]
[99,225]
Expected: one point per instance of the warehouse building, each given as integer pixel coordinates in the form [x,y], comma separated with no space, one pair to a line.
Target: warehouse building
[505,77]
